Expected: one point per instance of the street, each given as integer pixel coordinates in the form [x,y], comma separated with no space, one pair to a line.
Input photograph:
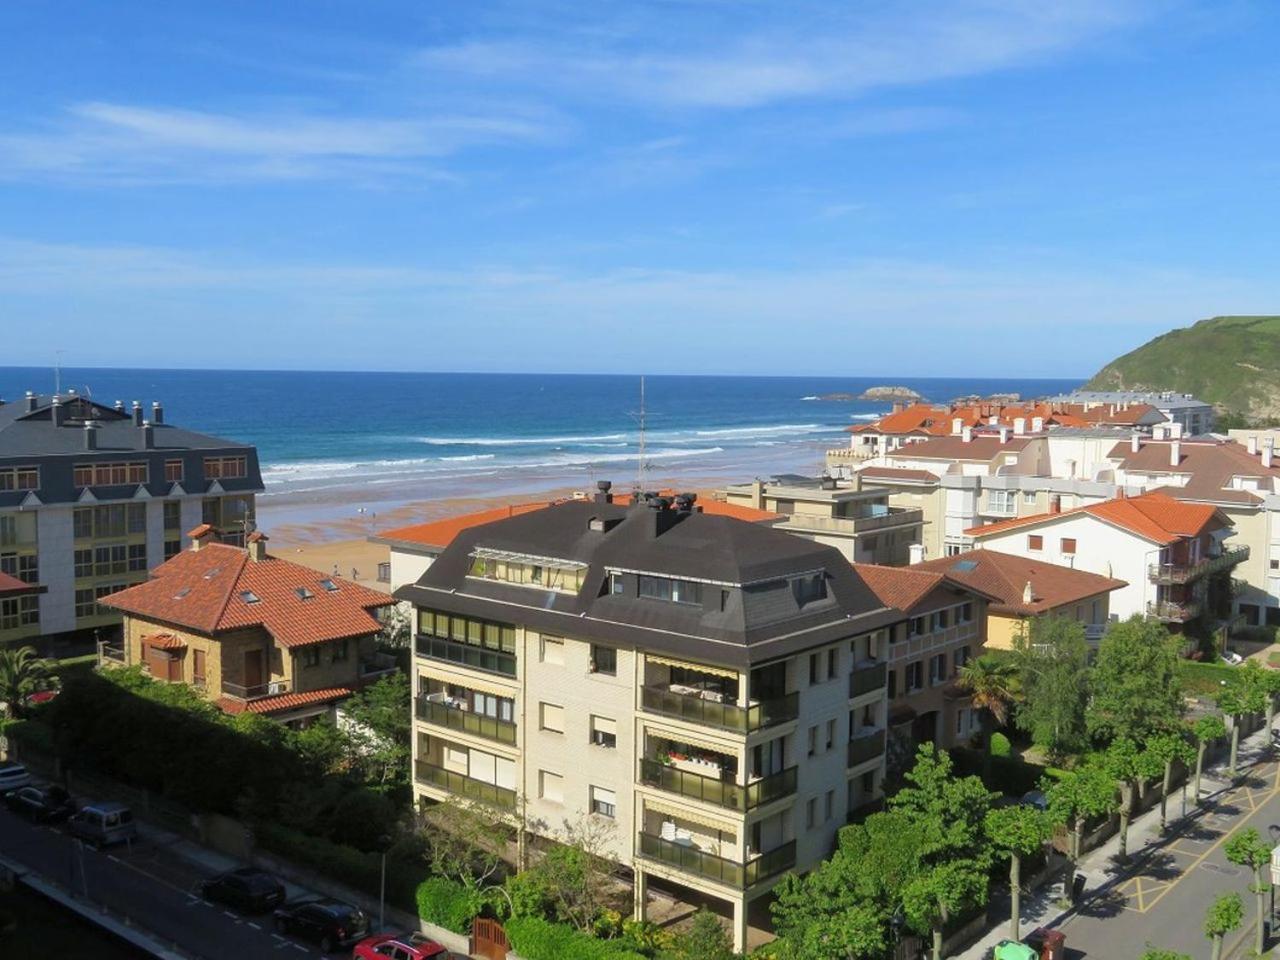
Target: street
[1161,895]
[151,887]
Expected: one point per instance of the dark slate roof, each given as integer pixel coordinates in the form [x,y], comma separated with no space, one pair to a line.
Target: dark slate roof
[760,621]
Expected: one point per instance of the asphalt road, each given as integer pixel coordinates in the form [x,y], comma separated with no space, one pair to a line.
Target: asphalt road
[1161,898]
[151,887]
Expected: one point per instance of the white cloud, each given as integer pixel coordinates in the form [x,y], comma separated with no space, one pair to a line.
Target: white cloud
[112,142]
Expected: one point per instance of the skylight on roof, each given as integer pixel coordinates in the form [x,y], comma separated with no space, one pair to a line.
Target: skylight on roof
[964,566]
[303,593]
[248,596]
[329,585]
[213,572]
[182,593]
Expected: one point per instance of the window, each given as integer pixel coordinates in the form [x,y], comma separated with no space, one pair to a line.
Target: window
[172,548]
[225,468]
[19,478]
[341,650]
[604,732]
[1029,498]
[1068,545]
[811,813]
[677,591]
[248,596]
[831,734]
[937,669]
[82,523]
[604,802]
[1035,541]
[868,781]
[941,619]
[915,676]
[173,471]
[892,685]
[604,660]
[917,627]
[966,613]
[961,657]
[553,651]
[833,660]
[815,662]
[1001,501]
[137,556]
[952,550]
[809,588]
[83,563]
[550,786]
[813,741]
[830,805]
[19,612]
[551,717]
[173,514]
[108,474]
[617,584]
[85,605]
[311,656]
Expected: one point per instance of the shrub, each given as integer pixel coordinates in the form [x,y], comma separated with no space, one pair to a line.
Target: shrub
[28,733]
[537,939]
[448,904]
[1000,746]
[1012,776]
[346,864]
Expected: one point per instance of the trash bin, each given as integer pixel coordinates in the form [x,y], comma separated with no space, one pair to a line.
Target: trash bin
[1052,944]
[1077,888]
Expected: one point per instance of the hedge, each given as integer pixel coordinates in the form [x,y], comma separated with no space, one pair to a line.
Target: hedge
[448,904]
[30,733]
[537,939]
[1012,776]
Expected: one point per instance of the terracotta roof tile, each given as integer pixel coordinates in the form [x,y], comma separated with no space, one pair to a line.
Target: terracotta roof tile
[11,584]
[218,588]
[1154,516]
[899,587]
[1006,576]
[1209,466]
[284,701]
[898,473]
[982,448]
[164,641]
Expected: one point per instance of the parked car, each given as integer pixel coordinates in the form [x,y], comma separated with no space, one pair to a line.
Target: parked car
[41,804]
[329,923]
[246,888]
[103,823]
[402,946]
[1233,658]
[1034,798]
[13,776]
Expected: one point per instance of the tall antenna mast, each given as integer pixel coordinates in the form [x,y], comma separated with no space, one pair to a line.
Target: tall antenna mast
[640,464]
[57,371]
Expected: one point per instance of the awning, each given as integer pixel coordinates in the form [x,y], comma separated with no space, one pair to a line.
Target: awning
[679,812]
[512,556]
[654,729]
[689,665]
[481,686]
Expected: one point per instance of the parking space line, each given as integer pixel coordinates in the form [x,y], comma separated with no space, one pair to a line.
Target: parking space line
[254,925]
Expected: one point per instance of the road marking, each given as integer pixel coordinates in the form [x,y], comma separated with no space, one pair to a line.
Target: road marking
[254,925]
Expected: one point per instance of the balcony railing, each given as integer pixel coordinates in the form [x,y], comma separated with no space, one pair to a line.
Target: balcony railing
[444,714]
[741,876]
[377,665]
[481,658]
[726,716]
[849,526]
[255,691]
[1172,612]
[1185,573]
[867,678]
[464,786]
[867,747]
[722,793]
[111,653]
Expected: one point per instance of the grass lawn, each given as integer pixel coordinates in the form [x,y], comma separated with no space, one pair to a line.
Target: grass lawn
[1203,680]
[45,929]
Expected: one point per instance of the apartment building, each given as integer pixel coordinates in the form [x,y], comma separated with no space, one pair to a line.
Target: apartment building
[710,688]
[19,609]
[1022,589]
[1194,416]
[91,496]
[859,522]
[251,632]
[1173,556]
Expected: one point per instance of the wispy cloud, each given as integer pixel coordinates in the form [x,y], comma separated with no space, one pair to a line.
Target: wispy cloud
[827,52]
[127,143]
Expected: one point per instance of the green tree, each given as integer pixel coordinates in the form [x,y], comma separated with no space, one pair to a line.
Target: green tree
[22,673]
[1206,729]
[1126,763]
[706,939]
[1226,913]
[941,892]
[950,810]
[991,682]
[1017,832]
[1052,660]
[1246,692]
[1157,953]
[380,728]
[1135,685]
[1166,749]
[1246,848]
[1084,793]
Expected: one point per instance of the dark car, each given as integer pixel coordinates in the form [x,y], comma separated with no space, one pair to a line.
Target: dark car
[245,889]
[329,923]
[41,804]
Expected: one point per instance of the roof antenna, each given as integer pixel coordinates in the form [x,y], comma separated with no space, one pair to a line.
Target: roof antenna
[57,372]
[640,464]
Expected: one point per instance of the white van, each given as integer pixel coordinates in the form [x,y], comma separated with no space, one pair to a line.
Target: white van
[104,823]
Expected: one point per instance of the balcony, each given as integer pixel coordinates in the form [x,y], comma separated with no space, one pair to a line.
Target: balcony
[998,510]
[721,793]
[741,876]
[1169,573]
[257,691]
[479,658]
[111,654]
[852,526]
[1171,612]
[867,678]
[714,713]
[461,785]
[376,666]
[443,713]
[867,747]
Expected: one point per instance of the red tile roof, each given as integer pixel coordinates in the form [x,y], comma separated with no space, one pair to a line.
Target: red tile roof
[284,701]
[982,448]
[1209,466]
[1005,577]
[12,585]
[218,588]
[164,641]
[898,473]
[1154,516]
[904,587]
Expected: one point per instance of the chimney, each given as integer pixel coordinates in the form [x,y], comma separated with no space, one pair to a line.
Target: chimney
[32,402]
[827,482]
[119,406]
[602,491]
[898,406]
[1175,453]
[660,518]
[256,546]
[685,502]
[1268,446]
[757,493]
[1135,442]
[1037,424]
[966,434]
[1019,426]
[1028,595]
[1175,430]
[148,435]
[1055,503]
[200,535]
[59,415]
[157,412]
[915,553]
[137,414]
[1253,444]
[90,435]
[957,425]
[1004,434]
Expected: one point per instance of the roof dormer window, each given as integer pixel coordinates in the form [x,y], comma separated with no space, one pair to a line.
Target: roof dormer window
[248,596]
[303,593]
[329,585]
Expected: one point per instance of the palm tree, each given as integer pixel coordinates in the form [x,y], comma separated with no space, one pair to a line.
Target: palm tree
[990,682]
[22,673]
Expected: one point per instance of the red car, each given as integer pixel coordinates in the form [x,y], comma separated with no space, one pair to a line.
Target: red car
[401,946]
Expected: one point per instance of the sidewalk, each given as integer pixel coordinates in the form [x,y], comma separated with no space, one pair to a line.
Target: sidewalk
[1099,865]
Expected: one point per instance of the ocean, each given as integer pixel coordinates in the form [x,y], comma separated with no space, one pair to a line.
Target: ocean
[387,437]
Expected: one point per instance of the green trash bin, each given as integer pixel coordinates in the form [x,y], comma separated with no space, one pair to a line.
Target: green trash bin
[1012,950]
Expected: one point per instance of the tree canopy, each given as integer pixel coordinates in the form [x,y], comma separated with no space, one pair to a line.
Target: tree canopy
[1136,692]
[1052,660]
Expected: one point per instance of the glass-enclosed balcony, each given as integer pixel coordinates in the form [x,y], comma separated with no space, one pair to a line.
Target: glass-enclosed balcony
[685,856]
[668,775]
[867,677]
[709,696]
[868,746]
[463,786]
[458,713]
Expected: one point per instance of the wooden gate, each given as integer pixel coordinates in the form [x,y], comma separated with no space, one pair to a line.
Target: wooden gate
[488,939]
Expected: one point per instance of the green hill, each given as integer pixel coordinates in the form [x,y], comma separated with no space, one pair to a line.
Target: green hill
[1232,362]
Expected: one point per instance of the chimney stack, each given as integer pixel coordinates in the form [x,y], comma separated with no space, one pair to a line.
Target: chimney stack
[1004,434]
[32,401]
[157,412]
[1253,444]
[685,502]
[199,536]
[59,415]
[1268,446]
[1055,503]
[915,553]
[1028,595]
[602,491]
[148,435]
[120,406]
[1037,424]
[966,434]
[898,406]
[957,426]
[1175,453]
[757,493]
[90,435]
[1135,442]
[137,414]
[1019,426]
[256,546]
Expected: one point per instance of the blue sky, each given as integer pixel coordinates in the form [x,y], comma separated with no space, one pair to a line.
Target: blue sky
[994,188]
